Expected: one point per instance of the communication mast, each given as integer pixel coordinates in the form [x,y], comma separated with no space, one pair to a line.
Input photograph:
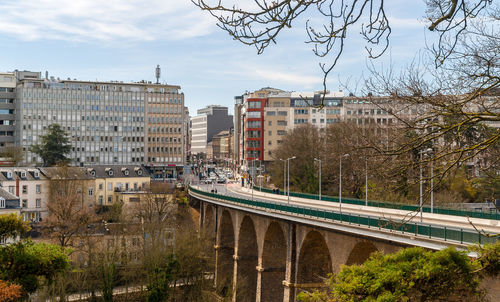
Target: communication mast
[158,73]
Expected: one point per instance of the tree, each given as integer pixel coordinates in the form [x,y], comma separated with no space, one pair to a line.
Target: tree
[11,226]
[413,274]
[54,146]
[13,154]
[457,103]
[70,212]
[28,263]
[25,263]
[9,292]
[262,23]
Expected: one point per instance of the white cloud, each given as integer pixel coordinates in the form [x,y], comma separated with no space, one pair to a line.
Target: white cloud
[108,21]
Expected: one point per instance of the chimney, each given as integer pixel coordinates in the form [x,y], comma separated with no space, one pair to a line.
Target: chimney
[17,186]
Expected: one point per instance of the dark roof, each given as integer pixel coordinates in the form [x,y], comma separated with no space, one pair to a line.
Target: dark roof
[118,171]
[29,174]
[7,196]
[66,173]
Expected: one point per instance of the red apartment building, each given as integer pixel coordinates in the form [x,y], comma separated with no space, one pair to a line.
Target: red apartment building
[254,128]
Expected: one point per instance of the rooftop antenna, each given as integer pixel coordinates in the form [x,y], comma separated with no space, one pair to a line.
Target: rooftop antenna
[158,73]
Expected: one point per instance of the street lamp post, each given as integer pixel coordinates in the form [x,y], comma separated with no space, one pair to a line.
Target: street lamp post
[421,203]
[253,176]
[340,182]
[366,181]
[284,175]
[319,160]
[288,160]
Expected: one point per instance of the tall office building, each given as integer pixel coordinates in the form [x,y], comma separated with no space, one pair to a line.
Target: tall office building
[111,123]
[7,108]
[209,121]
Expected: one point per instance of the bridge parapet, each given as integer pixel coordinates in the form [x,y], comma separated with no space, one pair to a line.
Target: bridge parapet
[409,229]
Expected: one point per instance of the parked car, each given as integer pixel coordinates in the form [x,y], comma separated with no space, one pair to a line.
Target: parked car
[208,180]
[221,180]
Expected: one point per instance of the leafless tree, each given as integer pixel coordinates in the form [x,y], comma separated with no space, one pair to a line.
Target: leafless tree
[70,210]
[260,22]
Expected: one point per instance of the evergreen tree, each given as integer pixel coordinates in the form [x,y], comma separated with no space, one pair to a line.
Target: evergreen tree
[54,147]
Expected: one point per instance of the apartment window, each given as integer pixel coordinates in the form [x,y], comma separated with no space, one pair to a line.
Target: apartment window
[110,199]
[38,189]
[25,203]
[2,202]
[101,198]
[301,111]
[110,186]
[270,123]
[100,187]
[271,113]
[254,104]
[12,189]
[253,124]
[314,121]
[270,133]
[283,113]
[314,111]
[38,202]
[91,191]
[25,189]
[282,123]
[269,143]
[253,114]
[281,132]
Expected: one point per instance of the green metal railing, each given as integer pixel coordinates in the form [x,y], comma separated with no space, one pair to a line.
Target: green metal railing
[468,236]
[390,205]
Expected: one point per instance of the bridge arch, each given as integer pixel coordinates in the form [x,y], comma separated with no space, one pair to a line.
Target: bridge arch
[273,264]
[224,255]
[314,262]
[361,252]
[246,277]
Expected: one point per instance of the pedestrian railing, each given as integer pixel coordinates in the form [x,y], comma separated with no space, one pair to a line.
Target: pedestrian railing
[390,205]
[461,235]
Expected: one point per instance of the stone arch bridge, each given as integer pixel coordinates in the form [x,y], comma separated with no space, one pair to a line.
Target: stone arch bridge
[261,255]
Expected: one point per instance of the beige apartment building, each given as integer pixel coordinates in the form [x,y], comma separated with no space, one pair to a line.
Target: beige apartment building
[287,110]
[32,189]
[112,181]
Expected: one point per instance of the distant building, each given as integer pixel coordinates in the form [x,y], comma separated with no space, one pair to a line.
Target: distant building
[222,146]
[32,189]
[111,123]
[7,108]
[209,121]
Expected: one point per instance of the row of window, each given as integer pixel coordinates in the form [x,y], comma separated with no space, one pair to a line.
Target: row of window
[279,132]
[54,106]
[301,111]
[165,120]
[165,149]
[24,189]
[103,118]
[280,123]
[254,114]
[109,149]
[163,139]
[280,113]
[164,109]
[253,124]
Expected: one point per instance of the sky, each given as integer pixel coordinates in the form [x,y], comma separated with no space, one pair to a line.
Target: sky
[124,40]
